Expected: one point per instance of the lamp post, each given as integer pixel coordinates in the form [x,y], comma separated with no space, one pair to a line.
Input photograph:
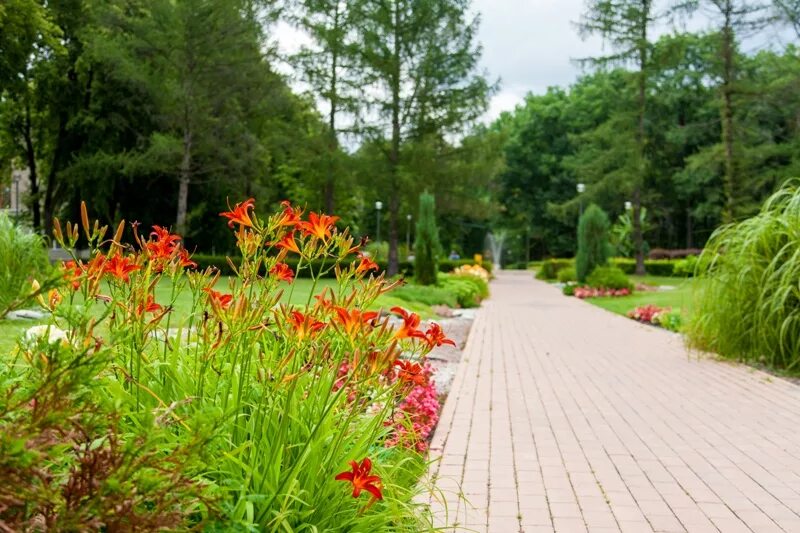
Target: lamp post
[378,207]
[628,206]
[580,187]
[408,235]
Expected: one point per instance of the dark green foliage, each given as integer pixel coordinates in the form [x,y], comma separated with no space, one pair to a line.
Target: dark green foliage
[427,248]
[608,277]
[593,245]
[748,305]
[550,268]
[565,275]
[569,289]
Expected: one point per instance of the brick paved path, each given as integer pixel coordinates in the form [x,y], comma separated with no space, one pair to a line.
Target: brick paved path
[566,417]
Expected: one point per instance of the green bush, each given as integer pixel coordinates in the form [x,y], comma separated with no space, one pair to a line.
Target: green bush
[654,267]
[469,290]
[427,295]
[549,268]
[748,303]
[608,277]
[685,267]
[569,289]
[23,256]
[593,246]
[565,275]
[427,248]
[448,265]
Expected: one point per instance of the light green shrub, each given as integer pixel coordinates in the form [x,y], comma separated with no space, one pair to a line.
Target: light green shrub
[608,278]
[23,256]
[565,275]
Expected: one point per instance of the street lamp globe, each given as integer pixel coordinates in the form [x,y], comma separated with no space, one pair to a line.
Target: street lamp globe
[628,206]
[581,187]
[378,205]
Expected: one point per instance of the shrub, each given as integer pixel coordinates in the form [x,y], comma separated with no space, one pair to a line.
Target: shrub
[608,278]
[593,246]
[427,248]
[655,267]
[569,289]
[565,275]
[469,290]
[23,256]
[241,407]
[472,270]
[428,295]
[748,305]
[658,316]
[549,268]
[685,267]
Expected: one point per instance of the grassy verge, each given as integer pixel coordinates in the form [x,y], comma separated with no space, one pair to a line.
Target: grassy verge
[10,330]
[679,298]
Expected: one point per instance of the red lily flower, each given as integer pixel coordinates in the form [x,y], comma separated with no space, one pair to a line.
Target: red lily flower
[304,325]
[164,243]
[290,216]
[120,267]
[288,243]
[150,306]
[218,299]
[366,265]
[318,225]
[240,214]
[282,271]
[410,327]
[359,476]
[436,337]
[72,273]
[185,260]
[411,372]
[352,321]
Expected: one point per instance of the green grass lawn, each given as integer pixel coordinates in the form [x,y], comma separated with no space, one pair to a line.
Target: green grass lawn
[681,297]
[10,330]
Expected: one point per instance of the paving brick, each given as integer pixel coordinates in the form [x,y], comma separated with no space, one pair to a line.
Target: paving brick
[561,409]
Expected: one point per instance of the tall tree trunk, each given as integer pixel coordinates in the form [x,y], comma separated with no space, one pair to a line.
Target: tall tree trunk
[183,184]
[394,155]
[638,239]
[689,228]
[52,185]
[729,211]
[32,170]
[334,100]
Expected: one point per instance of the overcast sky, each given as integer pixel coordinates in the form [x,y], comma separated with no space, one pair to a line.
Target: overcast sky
[530,45]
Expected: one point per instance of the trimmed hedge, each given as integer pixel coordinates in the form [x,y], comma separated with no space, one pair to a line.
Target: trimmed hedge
[608,277]
[654,267]
[406,268]
[550,268]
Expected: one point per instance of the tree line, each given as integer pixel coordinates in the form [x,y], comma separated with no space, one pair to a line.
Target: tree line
[159,110]
[688,128]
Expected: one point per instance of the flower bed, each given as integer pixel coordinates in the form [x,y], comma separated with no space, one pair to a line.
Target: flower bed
[591,292]
[657,316]
[243,414]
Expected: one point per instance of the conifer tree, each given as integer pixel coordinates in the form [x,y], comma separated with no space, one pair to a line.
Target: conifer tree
[426,246]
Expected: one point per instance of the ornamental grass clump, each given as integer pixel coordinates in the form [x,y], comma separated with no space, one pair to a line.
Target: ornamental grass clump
[264,416]
[748,304]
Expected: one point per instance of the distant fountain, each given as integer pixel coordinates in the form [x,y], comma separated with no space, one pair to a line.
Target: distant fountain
[495,243]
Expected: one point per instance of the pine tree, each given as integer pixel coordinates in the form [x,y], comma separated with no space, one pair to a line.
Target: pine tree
[593,245]
[426,246]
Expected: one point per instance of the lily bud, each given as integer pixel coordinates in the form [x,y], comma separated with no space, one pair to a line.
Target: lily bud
[85,220]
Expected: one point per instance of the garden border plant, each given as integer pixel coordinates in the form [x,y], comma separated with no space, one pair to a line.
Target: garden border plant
[269,417]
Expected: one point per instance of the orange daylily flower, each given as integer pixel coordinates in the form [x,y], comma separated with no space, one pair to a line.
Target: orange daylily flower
[409,372]
[304,325]
[185,259]
[410,327]
[318,225]
[366,265]
[218,299]
[353,320]
[150,306]
[283,272]
[288,243]
[436,337]
[162,243]
[72,271]
[290,216]
[54,298]
[240,214]
[120,267]
[361,479]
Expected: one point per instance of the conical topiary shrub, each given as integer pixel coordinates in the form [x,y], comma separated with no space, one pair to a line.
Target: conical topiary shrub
[594,248]
[426,245]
